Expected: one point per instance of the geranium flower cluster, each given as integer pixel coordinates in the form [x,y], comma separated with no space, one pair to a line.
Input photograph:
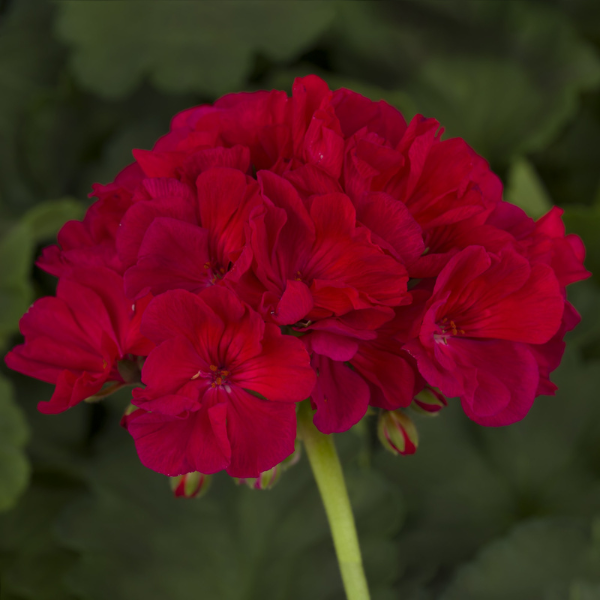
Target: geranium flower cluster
[270,249]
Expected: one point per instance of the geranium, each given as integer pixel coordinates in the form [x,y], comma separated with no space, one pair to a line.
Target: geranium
[200,410]
[84,338]
[271,249]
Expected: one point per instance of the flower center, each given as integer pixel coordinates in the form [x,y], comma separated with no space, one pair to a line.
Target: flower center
[217,376]
[447,328]
[215,272]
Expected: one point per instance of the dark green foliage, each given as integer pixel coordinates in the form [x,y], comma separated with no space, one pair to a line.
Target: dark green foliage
[476,514]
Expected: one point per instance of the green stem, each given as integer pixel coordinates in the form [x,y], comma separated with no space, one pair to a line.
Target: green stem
[328,473]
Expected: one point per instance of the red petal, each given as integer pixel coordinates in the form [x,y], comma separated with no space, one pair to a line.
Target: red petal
[340,395]
[262,433]
[280,372]
[173,255]
[296,302]
[177,445]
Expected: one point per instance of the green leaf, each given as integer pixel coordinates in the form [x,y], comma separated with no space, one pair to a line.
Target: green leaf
[14,433]
[205,47]
[17,246]
[585,222]
[33,565]
[29,60]
[136,540]
[467,484]
[455,500]
[536,561]
[569,166]
[583,590]
[526,190]
[16,292]
[46,218]
[506,76]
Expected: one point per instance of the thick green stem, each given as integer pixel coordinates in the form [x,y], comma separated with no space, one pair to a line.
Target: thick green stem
[328,473]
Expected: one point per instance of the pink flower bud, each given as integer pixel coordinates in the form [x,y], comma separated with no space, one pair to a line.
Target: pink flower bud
[397,432]
[265,481]
[190,485]
[429,402]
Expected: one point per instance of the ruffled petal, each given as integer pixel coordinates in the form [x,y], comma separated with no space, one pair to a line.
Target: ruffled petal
[262,433]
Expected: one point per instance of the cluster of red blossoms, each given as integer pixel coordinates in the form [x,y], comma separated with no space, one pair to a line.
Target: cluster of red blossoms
[271,249]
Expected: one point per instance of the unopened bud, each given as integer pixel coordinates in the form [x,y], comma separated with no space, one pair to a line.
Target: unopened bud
[397,432]
[429,402]
[265,481]
[190,485]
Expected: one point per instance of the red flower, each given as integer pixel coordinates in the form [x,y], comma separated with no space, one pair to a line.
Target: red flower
[314,211]
[91,243]
[221,387]
[543,241]
[312,261]
[77,339]
[184,239]
[484,312]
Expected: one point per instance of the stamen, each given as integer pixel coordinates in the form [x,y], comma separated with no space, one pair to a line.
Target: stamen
[213,368]
[448,328]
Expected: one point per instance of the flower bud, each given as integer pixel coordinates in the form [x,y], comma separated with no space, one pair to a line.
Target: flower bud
[190,485]
[397,432]
[429,402]
[265,481]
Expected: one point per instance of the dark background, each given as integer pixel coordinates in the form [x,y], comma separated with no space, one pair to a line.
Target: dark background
[476,514]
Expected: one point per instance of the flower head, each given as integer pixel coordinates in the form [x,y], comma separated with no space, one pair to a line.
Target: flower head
[275,248]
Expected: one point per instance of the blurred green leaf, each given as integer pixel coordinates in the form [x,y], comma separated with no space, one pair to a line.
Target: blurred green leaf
[506,76]
[29,61]
[525,189]
[582,590]
[234,543]
[46,218]
[14,433]
[569,166]
[33,566]
[468,484]
[455,500]
[16,292]
[585,222]
[536,561]
[17,246]
[205,47]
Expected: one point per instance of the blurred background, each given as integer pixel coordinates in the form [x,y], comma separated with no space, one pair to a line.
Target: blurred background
[477,513]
